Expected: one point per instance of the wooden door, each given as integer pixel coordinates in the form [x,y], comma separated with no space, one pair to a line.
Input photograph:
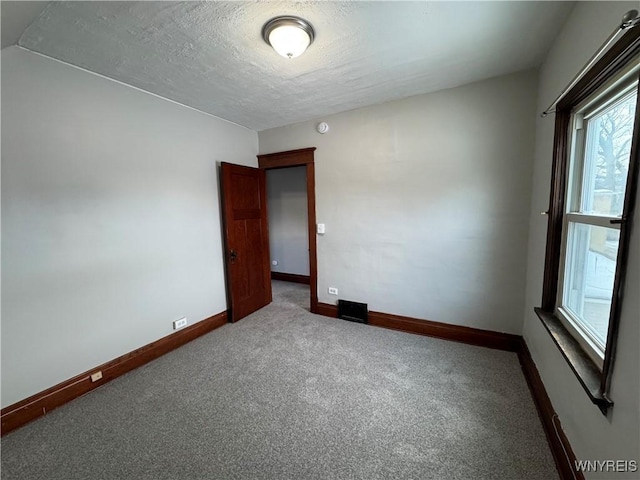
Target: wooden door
[246,235]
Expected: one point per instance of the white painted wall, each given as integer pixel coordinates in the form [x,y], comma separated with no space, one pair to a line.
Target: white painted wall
[288,225]
[592,436]
[426,202]
[110,219]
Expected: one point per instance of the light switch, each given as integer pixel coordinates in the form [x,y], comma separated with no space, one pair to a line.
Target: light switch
[321,229]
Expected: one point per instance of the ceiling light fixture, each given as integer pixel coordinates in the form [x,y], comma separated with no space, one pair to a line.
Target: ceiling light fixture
[289,36]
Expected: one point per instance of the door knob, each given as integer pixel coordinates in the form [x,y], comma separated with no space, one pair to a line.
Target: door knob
[233,255]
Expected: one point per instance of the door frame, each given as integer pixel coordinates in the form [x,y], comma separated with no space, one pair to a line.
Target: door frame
[297,158]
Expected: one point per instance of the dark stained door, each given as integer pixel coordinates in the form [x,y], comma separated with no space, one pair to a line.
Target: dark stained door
[244,206]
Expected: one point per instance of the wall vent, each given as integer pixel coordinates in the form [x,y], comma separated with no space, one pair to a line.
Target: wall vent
[353,311]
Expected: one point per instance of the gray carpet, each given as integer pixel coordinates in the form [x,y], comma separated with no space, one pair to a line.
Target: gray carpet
[285,394]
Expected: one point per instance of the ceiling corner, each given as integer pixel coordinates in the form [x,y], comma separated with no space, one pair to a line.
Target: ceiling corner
[16,18]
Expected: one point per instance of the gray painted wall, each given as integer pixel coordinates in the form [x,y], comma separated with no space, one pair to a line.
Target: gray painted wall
[592,436]
[426,202]
[110,219]
[288,225]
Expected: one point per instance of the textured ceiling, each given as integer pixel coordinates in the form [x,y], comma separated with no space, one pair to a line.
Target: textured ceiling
[210,55]
[16,16]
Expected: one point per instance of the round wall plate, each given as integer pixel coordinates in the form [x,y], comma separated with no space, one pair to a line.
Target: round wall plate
[323,127]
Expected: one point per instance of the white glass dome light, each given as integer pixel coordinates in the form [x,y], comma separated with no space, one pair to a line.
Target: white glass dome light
[289,41]
[289,36]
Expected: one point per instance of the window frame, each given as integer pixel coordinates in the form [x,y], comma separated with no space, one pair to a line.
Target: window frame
[623,84]
[593,377]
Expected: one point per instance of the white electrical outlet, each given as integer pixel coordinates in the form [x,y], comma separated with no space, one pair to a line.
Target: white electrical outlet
[274,262]
[333,291]
[96,376]
[180,323]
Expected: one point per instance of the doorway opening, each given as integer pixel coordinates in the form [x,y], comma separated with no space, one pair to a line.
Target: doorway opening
[298,166]
[288,234]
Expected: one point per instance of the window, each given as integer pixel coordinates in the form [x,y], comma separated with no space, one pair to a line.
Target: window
[593,188]
[600,150]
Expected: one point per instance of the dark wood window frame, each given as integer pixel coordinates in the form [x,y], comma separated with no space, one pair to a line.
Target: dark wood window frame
[596,382]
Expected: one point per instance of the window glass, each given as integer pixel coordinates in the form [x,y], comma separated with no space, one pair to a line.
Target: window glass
[591,267]
[606,159]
